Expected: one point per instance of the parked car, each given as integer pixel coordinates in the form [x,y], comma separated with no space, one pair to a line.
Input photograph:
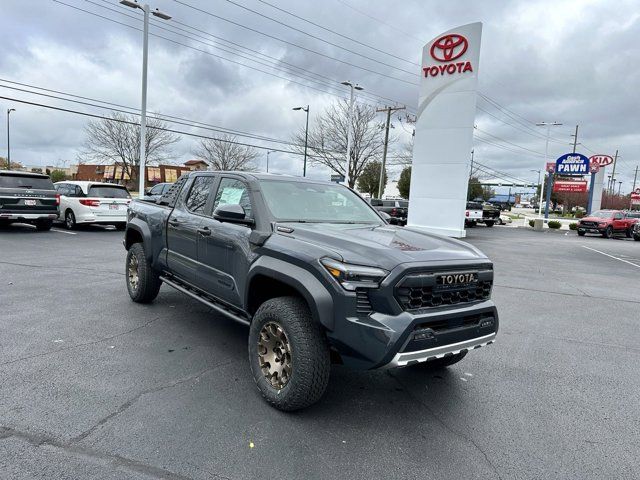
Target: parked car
[473,214]
[636,231]
[315,273]
[396,208]
[155,192]
[607,223]
[93,203]
[389,219]
[27,198]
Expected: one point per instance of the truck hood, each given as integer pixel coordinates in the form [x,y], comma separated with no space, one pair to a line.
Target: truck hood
[595,219]
[384,246]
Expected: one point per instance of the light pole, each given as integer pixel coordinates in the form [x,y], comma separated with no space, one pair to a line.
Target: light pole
[143,110]
[546,155]
[619,187]
[9,110]
[306,136]
[268,152]
[539,186]
[349,125]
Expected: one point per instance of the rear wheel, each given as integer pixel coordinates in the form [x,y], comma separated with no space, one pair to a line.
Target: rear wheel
[443,362]
[629,232]
[44,225]
[70,220]
[288,354]
[143,282]
[608,233]
[489,223]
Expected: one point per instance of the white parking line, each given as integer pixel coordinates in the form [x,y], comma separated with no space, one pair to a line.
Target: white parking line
[63,231]
[611,256]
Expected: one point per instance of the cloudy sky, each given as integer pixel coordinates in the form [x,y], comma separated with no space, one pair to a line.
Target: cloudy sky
[575,62]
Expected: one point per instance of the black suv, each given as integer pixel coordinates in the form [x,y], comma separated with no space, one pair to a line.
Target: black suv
[27,198]
[317,275]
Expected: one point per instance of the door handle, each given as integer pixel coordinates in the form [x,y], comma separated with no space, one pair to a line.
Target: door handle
[205,232]
[174,223]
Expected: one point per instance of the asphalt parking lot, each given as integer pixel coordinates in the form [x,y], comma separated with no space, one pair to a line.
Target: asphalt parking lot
[95,386]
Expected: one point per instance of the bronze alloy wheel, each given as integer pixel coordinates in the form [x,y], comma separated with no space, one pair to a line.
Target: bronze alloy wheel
[132,272]
[274,355]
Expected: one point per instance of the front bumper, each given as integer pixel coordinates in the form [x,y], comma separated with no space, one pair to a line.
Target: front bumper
[382,341]
[589,229]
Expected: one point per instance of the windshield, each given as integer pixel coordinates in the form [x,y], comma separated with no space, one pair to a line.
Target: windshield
[108,191]
[296,201]
[26,181]
[602,214]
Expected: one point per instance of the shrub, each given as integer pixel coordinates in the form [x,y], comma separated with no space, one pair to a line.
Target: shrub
[554,224]
[531,223]
[573,226]
[579,214]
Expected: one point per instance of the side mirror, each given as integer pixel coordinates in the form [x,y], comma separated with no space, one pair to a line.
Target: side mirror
[232,213]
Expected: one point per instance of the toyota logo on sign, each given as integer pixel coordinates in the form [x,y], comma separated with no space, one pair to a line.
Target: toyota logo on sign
[449,47]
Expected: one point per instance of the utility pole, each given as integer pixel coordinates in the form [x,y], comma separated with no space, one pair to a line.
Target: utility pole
[612,187]
[389,111]
[143,110]
[350,128]
[471,171]
[575,139]
[9,110]
[635,177]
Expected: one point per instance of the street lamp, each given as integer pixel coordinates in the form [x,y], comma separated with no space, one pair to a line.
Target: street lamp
[9,110]
[306,136]
[143,110]
[268,152]
[539,172]
[349,125]
[546,155]
[619,187]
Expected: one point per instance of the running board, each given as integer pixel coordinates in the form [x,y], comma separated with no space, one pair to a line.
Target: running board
[217,307]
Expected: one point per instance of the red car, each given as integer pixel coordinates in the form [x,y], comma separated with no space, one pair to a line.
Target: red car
[607,223]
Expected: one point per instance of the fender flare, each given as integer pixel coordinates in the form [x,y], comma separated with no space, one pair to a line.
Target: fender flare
[142,229]
[312,290]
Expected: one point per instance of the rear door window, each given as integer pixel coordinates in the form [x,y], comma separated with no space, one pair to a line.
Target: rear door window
[199,194]
[108,191]
[26,181]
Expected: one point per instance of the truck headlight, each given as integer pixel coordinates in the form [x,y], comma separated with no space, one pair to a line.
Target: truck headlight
[354,276]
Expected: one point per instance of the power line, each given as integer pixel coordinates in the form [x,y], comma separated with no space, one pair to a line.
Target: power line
[508,142]
[295,44]
[519,128]
[337,33]
[329,83]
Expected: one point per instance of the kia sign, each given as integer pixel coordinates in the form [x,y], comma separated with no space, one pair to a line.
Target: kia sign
[551,167]
[569,187]
[444,131]
[602,160]
[572,164]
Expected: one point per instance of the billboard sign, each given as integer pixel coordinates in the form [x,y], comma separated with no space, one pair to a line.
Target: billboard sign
[569,187]
[572,164]
[602,160]
[635,197]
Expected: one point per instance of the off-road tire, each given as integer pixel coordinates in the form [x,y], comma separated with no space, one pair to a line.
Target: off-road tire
[608,233]
[44,225]
[148,283]
[636,238]
[581,234]
[70,220]
[629,232]
[443,362]
[489,223]
[309,354]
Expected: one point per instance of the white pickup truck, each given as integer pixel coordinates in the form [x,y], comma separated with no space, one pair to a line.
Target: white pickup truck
[473,214]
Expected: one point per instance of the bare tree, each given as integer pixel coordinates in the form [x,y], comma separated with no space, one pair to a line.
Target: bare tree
[327,142]
[223,153]
[117,139]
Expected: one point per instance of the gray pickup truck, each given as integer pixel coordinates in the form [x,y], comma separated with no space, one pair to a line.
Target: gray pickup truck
[316,274]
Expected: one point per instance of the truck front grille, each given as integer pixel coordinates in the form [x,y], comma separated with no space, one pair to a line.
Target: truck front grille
[423,290]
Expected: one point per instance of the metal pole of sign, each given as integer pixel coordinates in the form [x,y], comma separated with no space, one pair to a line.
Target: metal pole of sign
[548,199]
[592,187]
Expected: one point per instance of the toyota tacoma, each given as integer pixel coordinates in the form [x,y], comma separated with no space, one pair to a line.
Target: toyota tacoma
[316,274]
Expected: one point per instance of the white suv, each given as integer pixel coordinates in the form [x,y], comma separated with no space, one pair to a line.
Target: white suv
[93,202]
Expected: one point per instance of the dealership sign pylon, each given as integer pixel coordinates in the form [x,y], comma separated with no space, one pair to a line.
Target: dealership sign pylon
[444,131]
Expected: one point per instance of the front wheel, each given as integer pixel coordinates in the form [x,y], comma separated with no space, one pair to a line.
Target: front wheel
[143,282]
[288,354]
[608,233]
[581,234]
[629,232]
[636,237]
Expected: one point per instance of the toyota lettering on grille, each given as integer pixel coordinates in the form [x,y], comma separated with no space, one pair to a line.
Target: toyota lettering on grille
[457,278]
